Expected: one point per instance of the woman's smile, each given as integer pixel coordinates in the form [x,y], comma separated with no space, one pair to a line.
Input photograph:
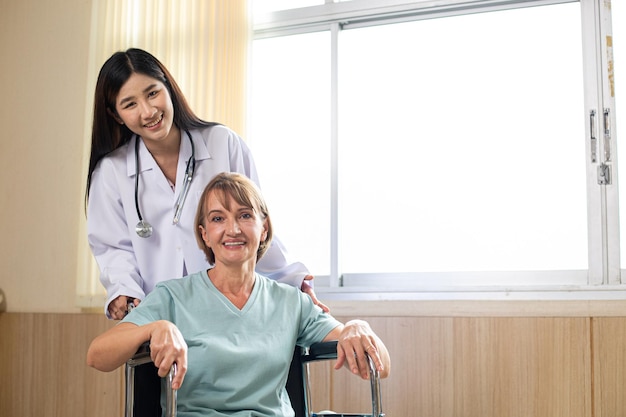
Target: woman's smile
[234,244]
[155,123]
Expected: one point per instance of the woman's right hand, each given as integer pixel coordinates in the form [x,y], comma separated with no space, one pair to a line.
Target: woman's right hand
[167,346]
[118,308]
[114,347]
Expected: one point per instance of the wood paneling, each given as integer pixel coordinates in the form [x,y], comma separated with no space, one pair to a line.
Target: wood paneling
[483,367]
[520,367]
[43,367]
[441,367]
[609,366]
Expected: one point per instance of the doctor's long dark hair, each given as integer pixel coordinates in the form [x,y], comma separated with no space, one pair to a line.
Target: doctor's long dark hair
[107,134]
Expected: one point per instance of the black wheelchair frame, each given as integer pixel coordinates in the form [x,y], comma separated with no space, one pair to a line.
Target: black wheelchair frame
[143,385]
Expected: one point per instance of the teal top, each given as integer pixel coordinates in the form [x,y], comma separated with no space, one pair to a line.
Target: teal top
[238,360]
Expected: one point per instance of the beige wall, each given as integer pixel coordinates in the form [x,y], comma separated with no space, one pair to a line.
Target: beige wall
[44,48]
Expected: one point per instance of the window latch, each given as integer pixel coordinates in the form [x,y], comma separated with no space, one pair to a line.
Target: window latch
[594,140]
[604,174]
[607,135]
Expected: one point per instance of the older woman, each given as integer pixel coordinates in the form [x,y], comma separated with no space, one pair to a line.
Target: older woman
[235,328]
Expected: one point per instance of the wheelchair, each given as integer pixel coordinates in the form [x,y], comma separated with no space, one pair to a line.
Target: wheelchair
[143,385]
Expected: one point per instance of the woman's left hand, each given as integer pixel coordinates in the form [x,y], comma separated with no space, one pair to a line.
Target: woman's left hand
[355,343]
[308,289]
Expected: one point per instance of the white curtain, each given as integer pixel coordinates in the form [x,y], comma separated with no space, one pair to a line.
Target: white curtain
[204,44]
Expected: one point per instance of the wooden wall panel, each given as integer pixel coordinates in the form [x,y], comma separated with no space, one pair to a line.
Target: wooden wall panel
[43,367]
[441,367]
[483,367]
[519,367]
[421,381]
[609,366]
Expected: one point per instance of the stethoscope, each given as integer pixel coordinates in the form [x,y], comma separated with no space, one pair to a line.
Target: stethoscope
[143,228]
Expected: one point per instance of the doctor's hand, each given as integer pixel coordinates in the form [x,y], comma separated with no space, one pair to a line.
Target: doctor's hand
[308,289]
[118,308]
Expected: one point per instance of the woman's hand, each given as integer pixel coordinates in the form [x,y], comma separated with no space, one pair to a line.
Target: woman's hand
[355,343]
[117,345]
[308,289]
[118,308]
[168,347]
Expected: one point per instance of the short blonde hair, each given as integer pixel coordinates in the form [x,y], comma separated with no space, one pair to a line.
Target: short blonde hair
[243,191]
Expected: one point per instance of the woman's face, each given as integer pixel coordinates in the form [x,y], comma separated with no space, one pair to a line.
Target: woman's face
[144,105]
[232,234]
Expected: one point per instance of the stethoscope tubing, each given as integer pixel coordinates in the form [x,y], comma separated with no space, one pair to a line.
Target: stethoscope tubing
[143,228]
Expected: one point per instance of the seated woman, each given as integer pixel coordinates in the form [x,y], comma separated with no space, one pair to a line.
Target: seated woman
[235,328]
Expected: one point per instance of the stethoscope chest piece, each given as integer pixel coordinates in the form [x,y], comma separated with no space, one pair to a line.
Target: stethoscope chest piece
[143,229]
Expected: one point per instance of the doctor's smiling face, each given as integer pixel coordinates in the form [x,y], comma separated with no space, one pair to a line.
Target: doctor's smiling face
[144,105]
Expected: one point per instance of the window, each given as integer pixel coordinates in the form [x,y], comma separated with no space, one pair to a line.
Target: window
[290,120]
[408,146]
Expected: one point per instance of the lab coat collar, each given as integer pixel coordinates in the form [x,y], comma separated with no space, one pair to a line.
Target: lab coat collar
[202,152]
[147,162]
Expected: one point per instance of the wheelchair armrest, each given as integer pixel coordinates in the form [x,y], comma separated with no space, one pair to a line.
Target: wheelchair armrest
[144,348]
[321,351]
[327,351]
[142,356]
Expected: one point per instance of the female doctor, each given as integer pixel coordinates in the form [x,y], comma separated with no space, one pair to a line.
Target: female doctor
[151,157]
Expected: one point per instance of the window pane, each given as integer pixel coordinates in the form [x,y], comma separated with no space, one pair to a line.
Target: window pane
[462,144]
[290,140]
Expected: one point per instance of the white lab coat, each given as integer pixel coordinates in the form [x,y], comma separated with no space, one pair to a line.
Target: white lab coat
[131,265]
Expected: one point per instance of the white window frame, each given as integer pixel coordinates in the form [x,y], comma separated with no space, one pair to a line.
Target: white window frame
[602,280]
